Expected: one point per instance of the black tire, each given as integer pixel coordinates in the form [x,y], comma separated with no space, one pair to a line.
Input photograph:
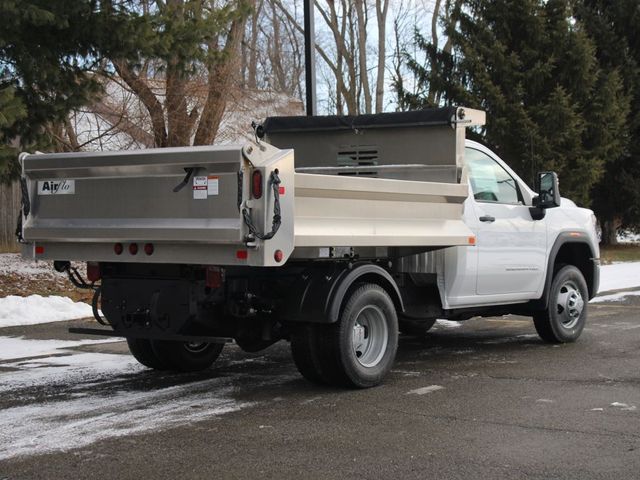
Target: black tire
[187,357]
[416,328]
[369,309]
[143,352]
[566,315]
[304,349]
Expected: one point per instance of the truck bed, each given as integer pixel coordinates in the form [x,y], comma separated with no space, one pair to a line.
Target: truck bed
[85,206]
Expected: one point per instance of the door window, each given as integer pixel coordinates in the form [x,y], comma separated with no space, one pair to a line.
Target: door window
[489,181]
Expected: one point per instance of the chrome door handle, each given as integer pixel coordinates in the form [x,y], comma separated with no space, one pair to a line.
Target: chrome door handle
[487,218]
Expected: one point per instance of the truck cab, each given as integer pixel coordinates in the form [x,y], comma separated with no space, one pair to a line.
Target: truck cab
[516,247]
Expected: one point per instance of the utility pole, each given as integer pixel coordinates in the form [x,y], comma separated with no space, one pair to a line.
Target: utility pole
[309,57]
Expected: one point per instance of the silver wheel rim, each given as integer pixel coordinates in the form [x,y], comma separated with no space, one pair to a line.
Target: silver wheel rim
[195,347]
[370,336]
[569,304]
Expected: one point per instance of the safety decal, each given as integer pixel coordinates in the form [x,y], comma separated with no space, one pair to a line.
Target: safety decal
[200,188]
[212,187]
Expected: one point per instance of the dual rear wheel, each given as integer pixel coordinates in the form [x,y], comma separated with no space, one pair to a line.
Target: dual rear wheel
[356,351]
[179,356]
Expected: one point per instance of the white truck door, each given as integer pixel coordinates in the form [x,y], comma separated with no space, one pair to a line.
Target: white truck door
[511,246]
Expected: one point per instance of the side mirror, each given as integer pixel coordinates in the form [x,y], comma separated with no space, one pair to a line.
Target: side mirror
[548,190]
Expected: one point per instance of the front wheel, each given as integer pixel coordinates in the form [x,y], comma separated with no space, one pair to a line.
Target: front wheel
[566,315]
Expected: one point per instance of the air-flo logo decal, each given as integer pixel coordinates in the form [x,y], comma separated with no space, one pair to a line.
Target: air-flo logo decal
[56,187]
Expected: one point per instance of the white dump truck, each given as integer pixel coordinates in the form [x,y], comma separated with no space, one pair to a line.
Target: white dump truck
[334,233]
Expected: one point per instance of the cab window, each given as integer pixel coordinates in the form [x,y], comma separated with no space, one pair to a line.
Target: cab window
[489,181]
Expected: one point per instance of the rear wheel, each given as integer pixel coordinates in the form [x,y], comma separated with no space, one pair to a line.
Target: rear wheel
[304,349]
[565,317]
[142,351]
[187,356]
[356,351]
[416,328]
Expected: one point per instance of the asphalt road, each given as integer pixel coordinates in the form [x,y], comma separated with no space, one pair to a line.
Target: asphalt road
[487,400]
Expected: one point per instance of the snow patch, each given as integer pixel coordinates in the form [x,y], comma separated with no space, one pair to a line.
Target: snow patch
[16,348]
[424,390]
[619,276]
[628,237]
[71,401]
[14,263]
[615,297]
[448,323]
[624,406]
[36,309]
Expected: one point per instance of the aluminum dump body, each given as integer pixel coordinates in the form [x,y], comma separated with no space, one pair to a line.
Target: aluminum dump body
[200,205]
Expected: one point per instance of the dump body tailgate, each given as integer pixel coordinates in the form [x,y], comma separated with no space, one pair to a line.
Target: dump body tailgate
[82,204]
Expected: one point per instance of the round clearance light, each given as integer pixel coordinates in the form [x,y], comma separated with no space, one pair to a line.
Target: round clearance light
[118,249]
[148,248]
[133,248]
[278,256]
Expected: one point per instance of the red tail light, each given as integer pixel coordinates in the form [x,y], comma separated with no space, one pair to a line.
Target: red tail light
[214,277]
[278,256]
[256,184]
[133,248]
[148,248]
[93,271]
[118,248]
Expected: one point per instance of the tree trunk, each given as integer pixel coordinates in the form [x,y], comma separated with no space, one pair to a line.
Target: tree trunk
[361,19]
[610,231]
[220,78]
[381,12]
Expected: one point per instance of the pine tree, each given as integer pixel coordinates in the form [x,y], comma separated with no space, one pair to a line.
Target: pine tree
[614,27]
[533,68]
[46,51]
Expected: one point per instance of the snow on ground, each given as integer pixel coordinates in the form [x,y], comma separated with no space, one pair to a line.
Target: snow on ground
[14,263]
[615,297]
[628,237]
[15,348]
[35,309]
[89,397]
[619,276]
[448,323]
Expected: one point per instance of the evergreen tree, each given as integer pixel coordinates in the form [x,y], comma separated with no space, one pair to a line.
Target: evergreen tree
[46,50]
[614,25]
[534,70]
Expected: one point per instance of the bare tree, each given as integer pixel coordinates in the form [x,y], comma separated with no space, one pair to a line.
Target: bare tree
[185,92]
[382,8]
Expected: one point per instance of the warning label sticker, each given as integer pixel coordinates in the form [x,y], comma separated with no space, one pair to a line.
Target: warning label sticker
[200,188]
[212,187]
[205,186]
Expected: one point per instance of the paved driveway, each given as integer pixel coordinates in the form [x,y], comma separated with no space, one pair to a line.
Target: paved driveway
[486,400]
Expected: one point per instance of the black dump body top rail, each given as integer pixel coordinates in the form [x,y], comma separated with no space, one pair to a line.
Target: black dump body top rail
[431,116]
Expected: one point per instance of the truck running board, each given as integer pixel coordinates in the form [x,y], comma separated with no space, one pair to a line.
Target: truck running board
[150,336]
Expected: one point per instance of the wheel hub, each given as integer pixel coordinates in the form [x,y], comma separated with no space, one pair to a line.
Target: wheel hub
[195,347]
[569,304]
[370,336]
